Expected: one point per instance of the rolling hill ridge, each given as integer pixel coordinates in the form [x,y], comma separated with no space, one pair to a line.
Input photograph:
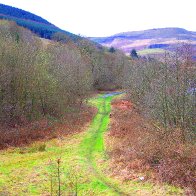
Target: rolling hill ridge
[164,38]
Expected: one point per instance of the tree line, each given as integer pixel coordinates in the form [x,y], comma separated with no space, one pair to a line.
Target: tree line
[166,89]
[39,78]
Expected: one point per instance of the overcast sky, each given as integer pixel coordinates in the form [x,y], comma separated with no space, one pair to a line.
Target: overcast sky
[108,17]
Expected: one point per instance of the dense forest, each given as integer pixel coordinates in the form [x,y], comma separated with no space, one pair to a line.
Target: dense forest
[38,79]
[166,89]
[18,13]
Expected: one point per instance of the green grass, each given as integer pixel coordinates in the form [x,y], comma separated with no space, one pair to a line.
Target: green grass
[84,161]
[3,22]
[92,147]
[152,51]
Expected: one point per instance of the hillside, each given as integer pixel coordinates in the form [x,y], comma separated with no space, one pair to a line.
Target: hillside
[35,23]
[164,38]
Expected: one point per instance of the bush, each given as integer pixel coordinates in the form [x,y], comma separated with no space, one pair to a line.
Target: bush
[137,145]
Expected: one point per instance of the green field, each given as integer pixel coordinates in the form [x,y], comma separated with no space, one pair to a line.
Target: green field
[151,51]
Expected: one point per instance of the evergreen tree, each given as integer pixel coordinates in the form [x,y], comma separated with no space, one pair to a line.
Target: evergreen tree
[133,54]
[112,49]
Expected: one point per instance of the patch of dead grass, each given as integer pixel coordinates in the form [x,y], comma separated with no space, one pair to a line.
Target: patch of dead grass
[42,130]
[137,149]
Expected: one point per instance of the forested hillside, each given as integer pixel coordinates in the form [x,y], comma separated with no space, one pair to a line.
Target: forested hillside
[33,22]
[18,13]
[43,79]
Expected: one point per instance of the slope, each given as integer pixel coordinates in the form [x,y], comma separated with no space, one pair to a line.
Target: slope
[35,23]
[164,38]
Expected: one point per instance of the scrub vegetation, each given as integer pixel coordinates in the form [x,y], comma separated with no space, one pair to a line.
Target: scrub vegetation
[164,95]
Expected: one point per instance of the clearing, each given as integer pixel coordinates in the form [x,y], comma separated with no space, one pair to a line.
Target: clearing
[73,164]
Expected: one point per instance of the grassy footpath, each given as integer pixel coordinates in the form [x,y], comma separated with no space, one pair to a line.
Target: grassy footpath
[93,152]
[83,164]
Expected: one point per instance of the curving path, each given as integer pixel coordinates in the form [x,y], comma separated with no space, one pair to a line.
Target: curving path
[92,146]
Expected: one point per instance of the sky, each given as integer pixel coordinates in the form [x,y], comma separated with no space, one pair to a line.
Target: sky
[98,18]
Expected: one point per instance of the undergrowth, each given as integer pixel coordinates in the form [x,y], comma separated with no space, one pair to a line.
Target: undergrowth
[140,149]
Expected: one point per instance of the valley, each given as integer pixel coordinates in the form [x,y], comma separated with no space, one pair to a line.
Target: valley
[95,115]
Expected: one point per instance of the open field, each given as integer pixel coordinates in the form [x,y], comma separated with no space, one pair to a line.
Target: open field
[151,51]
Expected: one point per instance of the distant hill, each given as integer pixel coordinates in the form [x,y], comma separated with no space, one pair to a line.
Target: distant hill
[35,23]
[162,38]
